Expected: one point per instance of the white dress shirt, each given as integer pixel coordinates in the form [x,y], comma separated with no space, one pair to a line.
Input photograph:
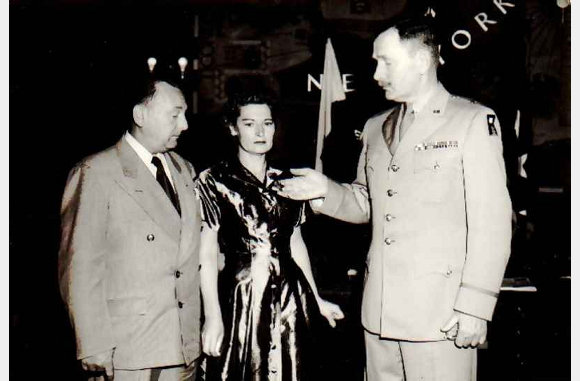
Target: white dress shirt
[146,157]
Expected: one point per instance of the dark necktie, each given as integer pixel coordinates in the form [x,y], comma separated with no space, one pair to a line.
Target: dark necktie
[163,180]
[408,119]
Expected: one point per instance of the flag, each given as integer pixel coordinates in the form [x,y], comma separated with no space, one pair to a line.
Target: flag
[331,90]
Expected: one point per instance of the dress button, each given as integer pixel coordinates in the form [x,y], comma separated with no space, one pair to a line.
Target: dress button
[180,304]
[389,241]
[394,167]
[177,274]
[389,217]
[150,237]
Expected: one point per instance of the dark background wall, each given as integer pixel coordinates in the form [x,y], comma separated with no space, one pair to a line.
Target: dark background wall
[71,63]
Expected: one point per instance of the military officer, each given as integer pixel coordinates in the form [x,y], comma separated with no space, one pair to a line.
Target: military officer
[431,180]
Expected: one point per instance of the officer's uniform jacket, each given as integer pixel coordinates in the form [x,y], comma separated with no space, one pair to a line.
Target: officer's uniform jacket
[128,263]
[440,214]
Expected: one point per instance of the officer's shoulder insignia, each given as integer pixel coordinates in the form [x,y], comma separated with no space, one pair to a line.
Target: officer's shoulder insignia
[491,125]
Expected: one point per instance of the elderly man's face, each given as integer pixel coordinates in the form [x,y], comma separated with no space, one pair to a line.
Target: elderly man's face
[163,118]
[397,69]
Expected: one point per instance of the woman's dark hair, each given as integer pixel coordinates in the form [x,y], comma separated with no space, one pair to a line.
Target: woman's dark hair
[236,102]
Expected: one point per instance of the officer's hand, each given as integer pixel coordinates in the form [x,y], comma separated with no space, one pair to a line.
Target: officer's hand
[101,362]
[466,330]
[307,184]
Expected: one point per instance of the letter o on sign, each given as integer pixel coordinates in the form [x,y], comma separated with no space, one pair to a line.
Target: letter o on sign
[463,33]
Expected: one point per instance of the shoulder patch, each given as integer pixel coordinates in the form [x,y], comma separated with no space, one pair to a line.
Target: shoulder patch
[491,125]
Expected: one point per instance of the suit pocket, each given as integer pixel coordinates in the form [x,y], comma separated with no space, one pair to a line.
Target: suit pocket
[434,171]
[129,306]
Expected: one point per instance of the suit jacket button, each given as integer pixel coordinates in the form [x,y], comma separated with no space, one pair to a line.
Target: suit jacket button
[150,237]
[180,304]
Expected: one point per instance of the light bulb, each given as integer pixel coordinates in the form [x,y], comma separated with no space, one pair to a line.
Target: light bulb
[151,62]
[182,62]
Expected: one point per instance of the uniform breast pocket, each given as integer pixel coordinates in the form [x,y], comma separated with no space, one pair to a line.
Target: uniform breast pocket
[434,171]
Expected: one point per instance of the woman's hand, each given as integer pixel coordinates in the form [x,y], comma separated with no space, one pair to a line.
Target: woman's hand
[212,336]
[330,311]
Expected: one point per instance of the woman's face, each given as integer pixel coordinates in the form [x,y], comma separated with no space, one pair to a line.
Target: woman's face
[254,129]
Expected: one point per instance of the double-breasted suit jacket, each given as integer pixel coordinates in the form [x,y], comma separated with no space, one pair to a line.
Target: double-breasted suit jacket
[128,262]
[440,213]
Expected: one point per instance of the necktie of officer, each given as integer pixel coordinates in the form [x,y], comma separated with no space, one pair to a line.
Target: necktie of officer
[406,121]
[163,180]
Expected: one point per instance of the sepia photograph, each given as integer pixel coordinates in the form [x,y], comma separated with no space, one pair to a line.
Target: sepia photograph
[290,190]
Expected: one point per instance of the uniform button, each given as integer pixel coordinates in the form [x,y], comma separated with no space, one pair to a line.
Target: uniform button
[395,167]
[389,217]
[177,274]
[150,237]
[389,241]
[180,304]
[391,193]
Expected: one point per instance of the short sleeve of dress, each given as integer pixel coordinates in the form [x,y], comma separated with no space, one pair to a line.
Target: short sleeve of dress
[207,193]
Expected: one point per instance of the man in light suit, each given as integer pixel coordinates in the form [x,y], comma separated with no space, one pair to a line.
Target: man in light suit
[431,180]
[128,261]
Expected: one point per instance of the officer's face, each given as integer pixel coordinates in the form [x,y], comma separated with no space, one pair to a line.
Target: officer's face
[162,118]
[397,69]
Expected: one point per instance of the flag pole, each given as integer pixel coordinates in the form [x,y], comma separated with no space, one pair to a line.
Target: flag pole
[331,90]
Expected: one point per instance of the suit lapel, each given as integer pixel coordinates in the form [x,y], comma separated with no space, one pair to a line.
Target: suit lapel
[183,181]
[142,186]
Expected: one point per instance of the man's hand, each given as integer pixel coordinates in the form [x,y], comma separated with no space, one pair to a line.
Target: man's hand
[330,311]
[466,330]
[212,336]
[307,184]
[101,362]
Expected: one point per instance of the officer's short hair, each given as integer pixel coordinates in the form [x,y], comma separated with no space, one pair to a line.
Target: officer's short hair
[421,29]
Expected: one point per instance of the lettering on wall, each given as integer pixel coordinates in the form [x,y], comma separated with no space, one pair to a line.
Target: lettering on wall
[461,39]
[311,81]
